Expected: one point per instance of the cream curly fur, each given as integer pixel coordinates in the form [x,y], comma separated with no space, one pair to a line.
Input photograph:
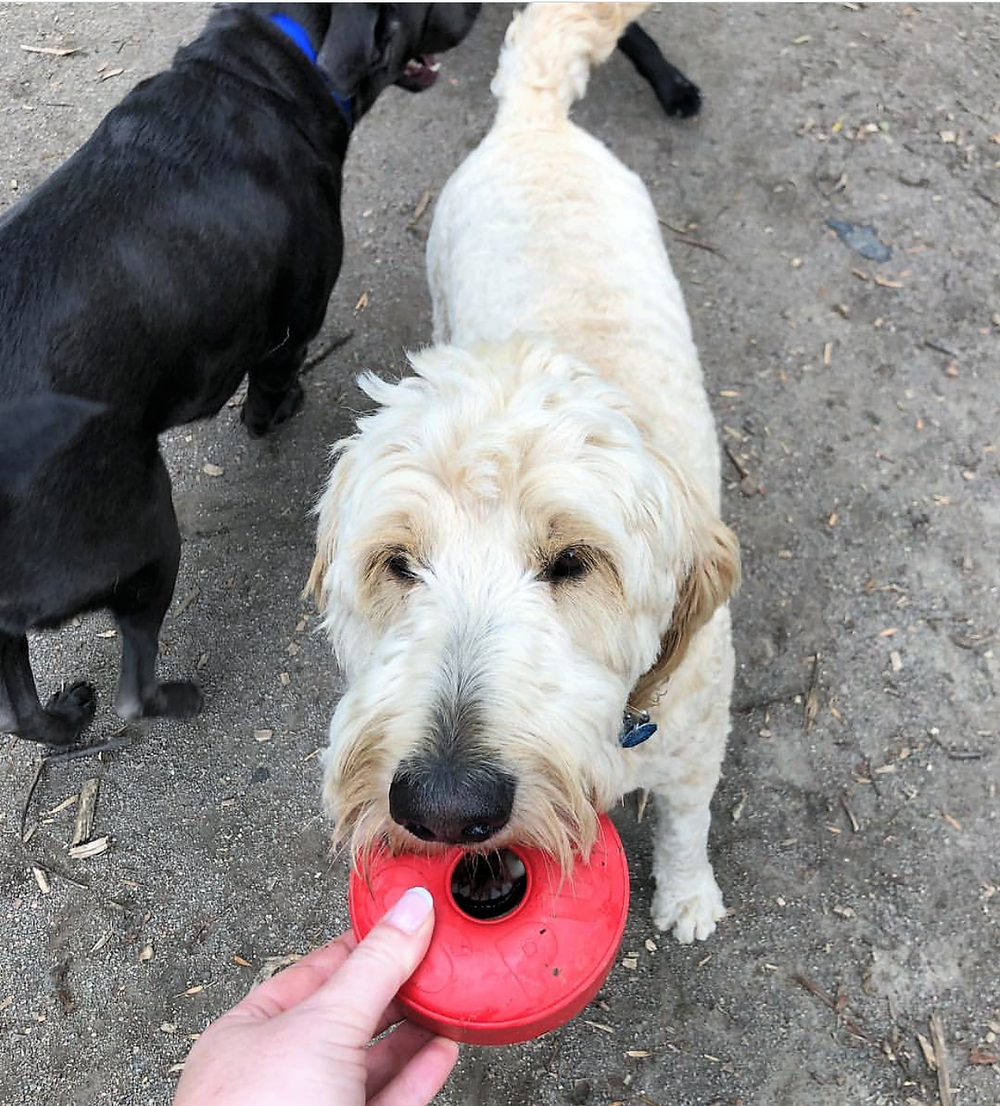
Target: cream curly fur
[561,407]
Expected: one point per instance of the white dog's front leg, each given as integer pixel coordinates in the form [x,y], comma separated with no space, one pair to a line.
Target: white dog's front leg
[687,899]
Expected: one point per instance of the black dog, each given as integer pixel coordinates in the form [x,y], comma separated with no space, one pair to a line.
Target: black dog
[194,238]
[34,429]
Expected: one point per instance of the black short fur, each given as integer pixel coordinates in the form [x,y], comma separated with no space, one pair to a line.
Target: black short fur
[677,95]
[193,239]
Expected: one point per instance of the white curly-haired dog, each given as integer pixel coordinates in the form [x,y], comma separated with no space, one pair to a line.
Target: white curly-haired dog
[520,551]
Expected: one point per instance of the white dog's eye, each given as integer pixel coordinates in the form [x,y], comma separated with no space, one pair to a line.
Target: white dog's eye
[568,565]
[398,566]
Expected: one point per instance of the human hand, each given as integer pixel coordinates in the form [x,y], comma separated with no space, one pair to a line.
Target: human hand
[303,1036]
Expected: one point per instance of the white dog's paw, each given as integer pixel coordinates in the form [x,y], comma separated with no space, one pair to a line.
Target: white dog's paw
[691,911]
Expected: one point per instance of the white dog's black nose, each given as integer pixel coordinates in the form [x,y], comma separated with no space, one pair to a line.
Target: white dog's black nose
[444,802]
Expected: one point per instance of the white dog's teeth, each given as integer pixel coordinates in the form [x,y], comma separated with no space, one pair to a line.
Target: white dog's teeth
[515,867]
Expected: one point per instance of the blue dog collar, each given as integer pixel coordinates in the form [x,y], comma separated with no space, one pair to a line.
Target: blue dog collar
[636,728]
[298,34]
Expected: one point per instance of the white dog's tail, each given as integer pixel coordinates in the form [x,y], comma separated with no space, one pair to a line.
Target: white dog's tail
[548,53]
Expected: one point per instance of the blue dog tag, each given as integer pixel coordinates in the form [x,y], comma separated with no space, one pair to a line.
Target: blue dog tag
[635,730]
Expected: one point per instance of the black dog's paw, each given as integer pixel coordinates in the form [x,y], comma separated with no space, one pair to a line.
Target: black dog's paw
[74,706]
[257,423]
[683,101]
[176,699]
[260,420]
[291,405]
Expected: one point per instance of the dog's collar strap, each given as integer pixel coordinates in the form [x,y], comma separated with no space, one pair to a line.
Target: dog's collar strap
[636,728]
[300,36]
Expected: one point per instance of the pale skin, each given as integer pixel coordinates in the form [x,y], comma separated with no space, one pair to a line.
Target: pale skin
[305,1035]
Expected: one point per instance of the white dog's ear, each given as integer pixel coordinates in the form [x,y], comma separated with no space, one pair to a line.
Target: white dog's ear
[710,577]
[326,530]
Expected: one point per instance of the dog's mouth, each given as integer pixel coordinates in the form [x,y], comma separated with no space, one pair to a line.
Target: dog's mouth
[420,73]
[489,885]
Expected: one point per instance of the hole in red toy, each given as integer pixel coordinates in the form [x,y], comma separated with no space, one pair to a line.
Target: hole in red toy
[490,885]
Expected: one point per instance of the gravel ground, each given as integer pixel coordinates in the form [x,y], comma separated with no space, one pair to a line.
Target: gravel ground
[856,829]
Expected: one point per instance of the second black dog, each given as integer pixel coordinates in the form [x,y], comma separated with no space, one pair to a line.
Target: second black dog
[193,239]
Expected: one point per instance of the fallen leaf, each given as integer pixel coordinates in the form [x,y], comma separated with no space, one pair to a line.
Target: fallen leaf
[108,73]
[362,302]
[212,470]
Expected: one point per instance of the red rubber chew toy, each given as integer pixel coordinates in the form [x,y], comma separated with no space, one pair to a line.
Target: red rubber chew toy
[498,980]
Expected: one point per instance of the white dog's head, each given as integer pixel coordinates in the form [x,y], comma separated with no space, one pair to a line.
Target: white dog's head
[502,559]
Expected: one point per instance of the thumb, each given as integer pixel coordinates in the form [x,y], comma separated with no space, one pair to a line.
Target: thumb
[358,993]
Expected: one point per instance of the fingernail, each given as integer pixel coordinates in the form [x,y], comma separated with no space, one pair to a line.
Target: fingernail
[409,913]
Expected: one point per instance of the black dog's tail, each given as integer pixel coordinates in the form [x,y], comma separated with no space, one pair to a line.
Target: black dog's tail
[548,54]
[35,428]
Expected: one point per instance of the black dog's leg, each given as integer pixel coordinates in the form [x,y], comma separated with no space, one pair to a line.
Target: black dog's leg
[64,717]
[274,393]
[677,95]
[139,606]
